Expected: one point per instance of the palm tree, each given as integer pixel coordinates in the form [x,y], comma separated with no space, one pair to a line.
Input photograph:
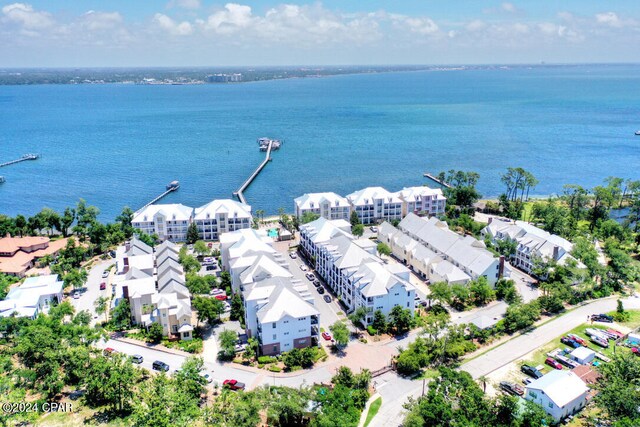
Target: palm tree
[483,380]
[358,316]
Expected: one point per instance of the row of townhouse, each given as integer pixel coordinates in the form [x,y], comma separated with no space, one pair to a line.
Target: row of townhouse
[531,243]
[352,269]
[279,309]
[436,253]
[373,204]
[171,221]
[153,282]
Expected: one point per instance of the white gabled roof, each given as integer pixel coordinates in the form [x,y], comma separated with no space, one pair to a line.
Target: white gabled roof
[23,300]
[230,208]
[314,200]
[375,280]
[366,196]
[322,229]
[411,194]
[560,386]
[172,212]
[281,299]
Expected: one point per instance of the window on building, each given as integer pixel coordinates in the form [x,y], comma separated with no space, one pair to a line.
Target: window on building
[275,336]
[286,333]
[550,404]
[186,335]
[274,325]
[275,348]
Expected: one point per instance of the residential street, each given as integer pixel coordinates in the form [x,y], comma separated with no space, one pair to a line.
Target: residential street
[391,412]
[92,290]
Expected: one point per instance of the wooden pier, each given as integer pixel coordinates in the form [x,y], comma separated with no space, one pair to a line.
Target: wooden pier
[239,194]
[21,159]
[433,178]
[172,186]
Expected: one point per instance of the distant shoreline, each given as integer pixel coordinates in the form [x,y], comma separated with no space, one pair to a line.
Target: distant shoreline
[185,76]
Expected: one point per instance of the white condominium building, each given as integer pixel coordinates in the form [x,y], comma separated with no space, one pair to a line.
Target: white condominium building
[464,252]
[532,242]
[375,204]
[235,244]
[221,216]
[326,205]
[154,285]
[279,312]
[352,269]
[422,200]
[169,222]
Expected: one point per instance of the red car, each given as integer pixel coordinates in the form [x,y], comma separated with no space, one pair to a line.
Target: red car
[221,297]
[233,384]
[616,333]
[103,286]
[108,351]
[577,339]
[553,363]
[326,336]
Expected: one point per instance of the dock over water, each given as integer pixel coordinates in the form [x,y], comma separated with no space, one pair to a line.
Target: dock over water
[434,179]
[21,159]
[265,145]
[172,186]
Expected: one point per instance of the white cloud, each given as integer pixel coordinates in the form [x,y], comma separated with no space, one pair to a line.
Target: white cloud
[475,25]
[26,16]
[508,7]
[178,29]
[95,21]
[233,18]
[609,18]
[184,4]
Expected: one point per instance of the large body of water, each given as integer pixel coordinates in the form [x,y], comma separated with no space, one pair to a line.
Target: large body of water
[117,145]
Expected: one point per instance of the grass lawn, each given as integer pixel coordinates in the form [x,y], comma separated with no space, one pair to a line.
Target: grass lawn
[540,355]
[526,211]
[373,410]
[634,318]
[427,374]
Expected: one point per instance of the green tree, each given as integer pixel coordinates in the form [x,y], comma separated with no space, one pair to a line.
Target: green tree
[227,340]
[400,319]
[189,379]
[66,221]
[308,217]
[521,316]
[344,376]
[506,290]
[340,333]
[619,390]
[192,233]
[155,332]
[460,296]
[197,284]
[379,322]
[121,316]
[357,230]
[358,316]
[441,292]
[102,305]
[354,219]
[481,291]
[225,280]
[111,381]
[125,219]
[237,308]
[201,248]
[384,249]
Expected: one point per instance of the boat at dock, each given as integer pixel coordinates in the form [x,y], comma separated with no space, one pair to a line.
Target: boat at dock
[638,132]
[264,143]
[173,185]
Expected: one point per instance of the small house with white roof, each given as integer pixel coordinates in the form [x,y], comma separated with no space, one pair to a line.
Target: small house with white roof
[559,393]
[35,295]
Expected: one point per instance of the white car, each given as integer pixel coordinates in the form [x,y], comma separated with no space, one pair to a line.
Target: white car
[293,255]
[215,292]
[207,378]
[303,267]
[105,274]
[76,295]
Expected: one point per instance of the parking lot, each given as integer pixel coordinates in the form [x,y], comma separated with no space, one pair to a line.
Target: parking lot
[329,312]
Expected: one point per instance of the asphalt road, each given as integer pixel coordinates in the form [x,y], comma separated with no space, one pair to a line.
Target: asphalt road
[391,412]
[92,291]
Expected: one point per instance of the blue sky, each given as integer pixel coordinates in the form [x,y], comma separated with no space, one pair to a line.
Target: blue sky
[265,32]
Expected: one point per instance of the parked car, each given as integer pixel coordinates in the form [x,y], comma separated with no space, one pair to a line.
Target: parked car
[216,291]
[76,295]
[526,381]
[103,286]
[570,342]
[105,274]
[136,358]
[373,229]
[222,297]
[327,298]
[207,378]
[602,318]
[317,283]
[240,347]
[618,334]
[227,306]
[326,336]
[303,267]
[310,276]
[233,385]
[511,388]
[578,339]
[160,366]
[320,290]
[599,341]
[293,255]
[108,351]
[211,267]
[531,371]
[553,363]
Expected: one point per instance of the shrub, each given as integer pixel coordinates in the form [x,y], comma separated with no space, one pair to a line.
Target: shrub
[267,359]
[275,368]
[372,330]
